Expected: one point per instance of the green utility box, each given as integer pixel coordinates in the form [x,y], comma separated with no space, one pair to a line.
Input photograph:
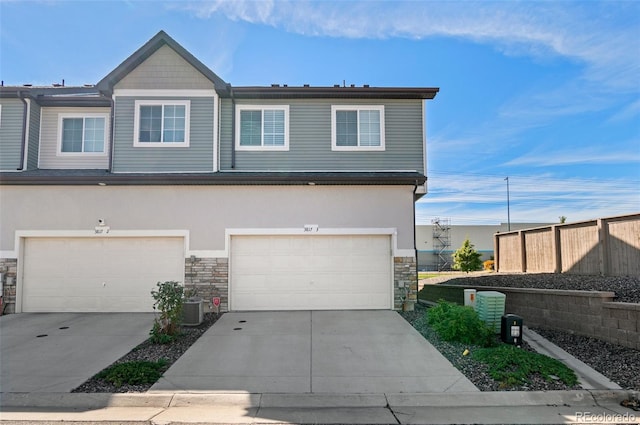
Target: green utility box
[490,308]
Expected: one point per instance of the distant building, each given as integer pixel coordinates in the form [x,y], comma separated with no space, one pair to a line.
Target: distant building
[437,242]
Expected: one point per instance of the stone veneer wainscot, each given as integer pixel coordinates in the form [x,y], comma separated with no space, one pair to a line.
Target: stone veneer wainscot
[8,268]
[404,281]
[210,277]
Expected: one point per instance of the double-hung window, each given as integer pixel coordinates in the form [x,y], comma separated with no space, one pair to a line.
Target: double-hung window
[161,123]
[262,127]
[85,134]
[355,127]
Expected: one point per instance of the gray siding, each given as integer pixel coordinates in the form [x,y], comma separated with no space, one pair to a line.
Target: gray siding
[49,158]
[34,136]
[165,69]
[310,139]
[11,116]
[198,157]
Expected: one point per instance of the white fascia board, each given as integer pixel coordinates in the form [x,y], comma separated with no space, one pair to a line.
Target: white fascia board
[8,254]
[91,233]
[328,231]
[208,253]
[21,234]
[320,231]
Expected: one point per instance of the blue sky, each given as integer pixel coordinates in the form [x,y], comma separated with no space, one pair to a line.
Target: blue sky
[546,93]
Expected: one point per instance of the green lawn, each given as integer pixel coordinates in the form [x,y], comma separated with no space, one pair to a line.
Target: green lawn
[428,275]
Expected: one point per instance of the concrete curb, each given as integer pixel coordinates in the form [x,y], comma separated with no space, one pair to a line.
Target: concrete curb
[267,400]
[552,407]
[588,377]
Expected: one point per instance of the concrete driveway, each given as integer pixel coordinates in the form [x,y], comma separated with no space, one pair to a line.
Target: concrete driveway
[56,352]
[336,352]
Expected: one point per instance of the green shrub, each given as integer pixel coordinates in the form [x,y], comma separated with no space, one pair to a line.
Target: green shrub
[462,324]
[168,299]
[133,373]
[160,337]
[511,365]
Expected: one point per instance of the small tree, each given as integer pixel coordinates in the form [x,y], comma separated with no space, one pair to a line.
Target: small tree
[168,299]
[466,258]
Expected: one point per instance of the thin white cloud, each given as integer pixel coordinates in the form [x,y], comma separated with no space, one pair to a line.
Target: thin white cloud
[261,12]
[474,198]
[573,157]
[630,111]
[601,35]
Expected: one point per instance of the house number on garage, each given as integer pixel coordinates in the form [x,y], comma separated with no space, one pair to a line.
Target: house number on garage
[102,230]
[310,228]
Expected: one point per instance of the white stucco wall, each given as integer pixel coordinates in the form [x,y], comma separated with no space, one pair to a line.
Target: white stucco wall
[204,211]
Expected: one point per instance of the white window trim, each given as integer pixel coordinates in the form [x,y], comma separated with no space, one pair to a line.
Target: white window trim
[105,143]
[263,108]
[357,108]
[136,123]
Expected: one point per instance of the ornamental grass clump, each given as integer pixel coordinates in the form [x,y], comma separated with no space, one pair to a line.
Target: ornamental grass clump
[458,323]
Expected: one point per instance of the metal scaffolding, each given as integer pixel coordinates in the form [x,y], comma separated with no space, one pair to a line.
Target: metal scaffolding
[442,243]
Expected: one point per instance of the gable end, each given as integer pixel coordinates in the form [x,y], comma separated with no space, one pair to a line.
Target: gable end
[106,85]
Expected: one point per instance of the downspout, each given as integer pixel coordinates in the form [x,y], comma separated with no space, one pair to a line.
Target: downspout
[415,244]
[111,133]
[233,127]
[23,146]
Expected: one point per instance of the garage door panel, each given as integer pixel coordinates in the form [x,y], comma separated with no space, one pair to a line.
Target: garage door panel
[294,264]
[297,301]
[246,282]
[310,272]
[293,282]
[97,274]
[247,262]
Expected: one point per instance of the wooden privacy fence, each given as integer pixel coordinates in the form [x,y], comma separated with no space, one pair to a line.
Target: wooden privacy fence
[606,246]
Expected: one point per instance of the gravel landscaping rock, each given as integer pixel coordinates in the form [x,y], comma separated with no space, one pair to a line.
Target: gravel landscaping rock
[475,371]
[619,364]
[152,352]
[626,288]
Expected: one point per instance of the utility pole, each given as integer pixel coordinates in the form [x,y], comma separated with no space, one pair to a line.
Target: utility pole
[508,209]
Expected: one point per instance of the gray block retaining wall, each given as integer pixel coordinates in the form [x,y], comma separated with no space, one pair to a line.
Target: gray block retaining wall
[589,313]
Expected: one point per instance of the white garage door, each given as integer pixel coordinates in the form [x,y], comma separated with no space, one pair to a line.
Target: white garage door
[310,272]
[97,274]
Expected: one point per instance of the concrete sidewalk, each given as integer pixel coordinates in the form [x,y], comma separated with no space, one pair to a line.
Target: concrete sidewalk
[554,407]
